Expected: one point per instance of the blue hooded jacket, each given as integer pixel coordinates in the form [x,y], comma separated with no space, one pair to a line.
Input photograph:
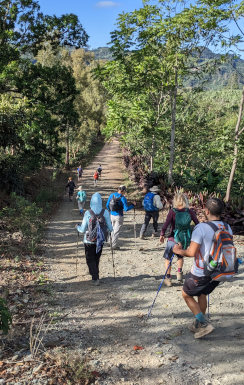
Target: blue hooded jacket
[96,206]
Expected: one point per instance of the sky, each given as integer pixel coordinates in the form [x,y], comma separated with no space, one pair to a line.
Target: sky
[98,18]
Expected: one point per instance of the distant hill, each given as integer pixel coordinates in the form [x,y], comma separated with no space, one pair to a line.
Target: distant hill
[230,73]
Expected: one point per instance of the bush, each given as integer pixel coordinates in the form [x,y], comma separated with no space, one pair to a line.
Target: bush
[5,317]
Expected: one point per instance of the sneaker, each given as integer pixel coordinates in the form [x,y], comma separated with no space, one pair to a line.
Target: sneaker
[179,276]
[203,329]
[155,234]
[168,282]
[96,282]
[142,237]
[193,327]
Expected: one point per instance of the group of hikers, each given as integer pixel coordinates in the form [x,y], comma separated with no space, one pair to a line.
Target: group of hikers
[206,243]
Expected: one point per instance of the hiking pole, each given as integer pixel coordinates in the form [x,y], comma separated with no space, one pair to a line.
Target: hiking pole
[208,308]
[76,263]
[135,225]
[112,253]
[161,283]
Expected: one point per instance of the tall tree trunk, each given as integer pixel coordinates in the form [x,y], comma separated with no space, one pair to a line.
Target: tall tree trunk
[234,164]
[173,118]
[67,147]
[152,154]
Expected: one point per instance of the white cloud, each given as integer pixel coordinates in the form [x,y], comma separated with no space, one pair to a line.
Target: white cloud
[106,4]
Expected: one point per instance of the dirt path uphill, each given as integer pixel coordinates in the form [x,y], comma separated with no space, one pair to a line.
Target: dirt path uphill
[105,323]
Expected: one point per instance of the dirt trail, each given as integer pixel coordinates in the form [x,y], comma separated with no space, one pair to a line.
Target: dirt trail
[106,322]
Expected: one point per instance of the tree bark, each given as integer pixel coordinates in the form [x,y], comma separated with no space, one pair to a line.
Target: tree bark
[67,147]
[173,118]
[234,164]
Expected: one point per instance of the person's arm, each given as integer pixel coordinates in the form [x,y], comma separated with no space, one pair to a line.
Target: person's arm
[165,225]
[107,204]
[190,252]
[83,227]
[108,221]
[194,217]
[157,202]
[125,204]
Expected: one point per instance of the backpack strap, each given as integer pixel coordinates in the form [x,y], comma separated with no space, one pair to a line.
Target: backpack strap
[212,225]
[92,213]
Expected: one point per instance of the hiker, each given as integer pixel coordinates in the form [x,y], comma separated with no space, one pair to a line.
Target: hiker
[99,170]
[95,236]
[198,282]
[81,199]
[95,177]
[117,204]
[178,224]
[71,186]
[152,204]
[79,172]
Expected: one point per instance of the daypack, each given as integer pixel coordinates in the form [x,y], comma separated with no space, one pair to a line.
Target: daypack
[222,255]
[97,228]
[82,196]
[182,231]
[115,204]
[96,175]
[148,202]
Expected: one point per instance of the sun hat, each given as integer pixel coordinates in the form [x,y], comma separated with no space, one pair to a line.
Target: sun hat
[154,189]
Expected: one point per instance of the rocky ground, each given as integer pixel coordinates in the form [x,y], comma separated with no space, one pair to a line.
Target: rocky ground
[108,324]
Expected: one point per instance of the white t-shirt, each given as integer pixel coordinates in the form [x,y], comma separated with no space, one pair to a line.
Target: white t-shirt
[203,235]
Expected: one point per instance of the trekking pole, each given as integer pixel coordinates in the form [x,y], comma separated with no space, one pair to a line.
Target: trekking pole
[76,263]
[208,308]
[112,253]
[135,225]
[161,283]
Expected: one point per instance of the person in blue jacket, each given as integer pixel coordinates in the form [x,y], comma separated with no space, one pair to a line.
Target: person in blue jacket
[93,250]
[117,204]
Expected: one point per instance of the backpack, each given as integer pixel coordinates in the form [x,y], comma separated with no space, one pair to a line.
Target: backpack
[182,231]
[222,263]
[95,176]
[115,204]
[148,202]
[97,229]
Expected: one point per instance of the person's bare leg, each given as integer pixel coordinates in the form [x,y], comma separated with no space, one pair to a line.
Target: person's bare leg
[202,301]
[191,303]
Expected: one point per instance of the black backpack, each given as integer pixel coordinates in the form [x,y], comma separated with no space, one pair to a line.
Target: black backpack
[96,224]
[115,204]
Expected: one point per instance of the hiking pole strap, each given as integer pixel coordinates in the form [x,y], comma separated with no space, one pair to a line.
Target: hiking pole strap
[161,284]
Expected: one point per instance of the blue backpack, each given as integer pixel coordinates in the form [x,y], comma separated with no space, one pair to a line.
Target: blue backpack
[148,202]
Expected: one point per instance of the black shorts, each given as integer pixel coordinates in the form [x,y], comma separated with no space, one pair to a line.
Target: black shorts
[195,286]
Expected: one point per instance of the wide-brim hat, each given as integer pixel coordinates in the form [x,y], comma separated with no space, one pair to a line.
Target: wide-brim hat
[154,189]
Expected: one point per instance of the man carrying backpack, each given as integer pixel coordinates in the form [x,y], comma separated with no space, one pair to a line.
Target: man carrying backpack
[117,204]
[81,199]
[179,230]
[211,264]
[152,204]
[99,170]
[70,186]
[95,225]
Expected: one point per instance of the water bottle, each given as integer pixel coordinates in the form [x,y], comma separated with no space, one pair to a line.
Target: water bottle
[212,266]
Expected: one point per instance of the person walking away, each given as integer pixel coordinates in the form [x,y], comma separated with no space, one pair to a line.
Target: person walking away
[152,204]
[198,282]
[99,170]
[117,204]
[81,199]
[178,222]
[95,226]
[95,177]
[79,172]
[71,186]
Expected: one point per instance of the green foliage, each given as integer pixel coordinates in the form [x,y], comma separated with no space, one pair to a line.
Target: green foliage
[24,216]
[5,317]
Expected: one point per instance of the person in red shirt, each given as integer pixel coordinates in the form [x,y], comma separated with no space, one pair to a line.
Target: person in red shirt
[180,202]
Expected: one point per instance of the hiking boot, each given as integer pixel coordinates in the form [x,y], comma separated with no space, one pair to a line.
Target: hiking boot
[168,282]
[193,327]
[96,282]
[179,276]
[116,248]
[203,329]
[142,237]
[154,234]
